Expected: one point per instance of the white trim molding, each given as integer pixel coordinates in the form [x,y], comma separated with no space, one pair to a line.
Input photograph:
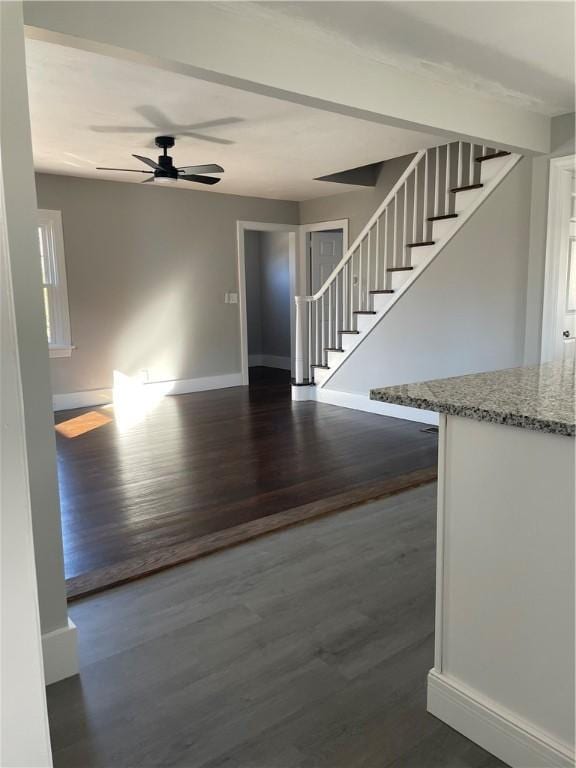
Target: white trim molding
[60,652]
[60,350]
[358,402]
[497,730]
[557,231]
[92,398]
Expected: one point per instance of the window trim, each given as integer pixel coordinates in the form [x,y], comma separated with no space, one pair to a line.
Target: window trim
[60,309]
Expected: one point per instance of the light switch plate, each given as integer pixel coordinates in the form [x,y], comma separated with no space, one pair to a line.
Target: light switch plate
[233,298]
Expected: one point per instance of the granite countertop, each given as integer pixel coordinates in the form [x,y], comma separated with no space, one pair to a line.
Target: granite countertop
[540,397]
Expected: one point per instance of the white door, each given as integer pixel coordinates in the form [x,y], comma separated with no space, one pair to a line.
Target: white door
[565,334]
[325,253]
[568,279]
[559,316]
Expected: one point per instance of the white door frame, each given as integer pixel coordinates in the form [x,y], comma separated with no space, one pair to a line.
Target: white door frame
[318,226]
[260,226]
[556,250]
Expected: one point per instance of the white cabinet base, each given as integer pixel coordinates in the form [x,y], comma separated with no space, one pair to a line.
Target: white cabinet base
[495,729]
[504,658]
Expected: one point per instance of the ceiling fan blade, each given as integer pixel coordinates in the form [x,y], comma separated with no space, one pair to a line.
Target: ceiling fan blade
[210,168]
[123,129]
[199,179]
[147,180]
[202,137]
[129,170]
[154,116]
[211,123]
[149,162]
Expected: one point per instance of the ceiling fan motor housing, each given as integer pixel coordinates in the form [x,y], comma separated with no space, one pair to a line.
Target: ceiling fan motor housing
[165,161]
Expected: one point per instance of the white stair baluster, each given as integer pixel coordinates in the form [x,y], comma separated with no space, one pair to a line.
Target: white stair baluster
[436,211]
[425,211]
[448,179]
[415,208]
[360,275]
[404,224]
[311,350]
[395,232]
[377,264]
[330,298]
[368,269]
[386,252]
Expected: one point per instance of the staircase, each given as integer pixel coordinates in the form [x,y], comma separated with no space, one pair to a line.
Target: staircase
[435,196]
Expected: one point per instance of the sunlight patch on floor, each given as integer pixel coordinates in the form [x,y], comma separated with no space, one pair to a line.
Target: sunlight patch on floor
[79,425]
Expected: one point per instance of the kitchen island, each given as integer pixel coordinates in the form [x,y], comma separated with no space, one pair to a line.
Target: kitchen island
[504,648]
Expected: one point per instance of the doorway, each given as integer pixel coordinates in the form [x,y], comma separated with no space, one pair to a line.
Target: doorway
[267,287]
[559,316]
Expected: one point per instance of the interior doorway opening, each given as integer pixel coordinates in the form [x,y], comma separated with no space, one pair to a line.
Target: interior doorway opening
[267,287]
[268,299]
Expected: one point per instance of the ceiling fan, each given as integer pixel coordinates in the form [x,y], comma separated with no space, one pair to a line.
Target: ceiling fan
[165,170]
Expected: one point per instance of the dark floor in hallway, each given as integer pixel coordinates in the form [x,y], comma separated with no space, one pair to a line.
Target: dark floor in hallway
[308,648]
[148,486]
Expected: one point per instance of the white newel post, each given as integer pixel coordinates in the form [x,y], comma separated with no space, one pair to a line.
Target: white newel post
[301,304]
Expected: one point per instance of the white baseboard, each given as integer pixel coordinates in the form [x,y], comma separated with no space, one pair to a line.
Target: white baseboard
[271,361]
[363,403]
[92,398]
[499,731]
[60,652]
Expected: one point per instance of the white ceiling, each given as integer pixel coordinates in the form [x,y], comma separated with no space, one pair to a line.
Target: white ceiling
[276,149]
[519,51]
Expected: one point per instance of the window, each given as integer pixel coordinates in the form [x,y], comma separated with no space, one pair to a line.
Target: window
[51,243]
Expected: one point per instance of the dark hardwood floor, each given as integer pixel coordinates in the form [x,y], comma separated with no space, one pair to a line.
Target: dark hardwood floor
[142,491]
[307,649]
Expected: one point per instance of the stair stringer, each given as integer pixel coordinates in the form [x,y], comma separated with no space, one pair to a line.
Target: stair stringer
[433,252]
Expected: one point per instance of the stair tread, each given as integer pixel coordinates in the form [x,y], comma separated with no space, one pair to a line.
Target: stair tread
[466,188]
[346,331]
[384,290]
[317,365]
[365,312]
[493,156]
[443,216]
[399,269]
[334,349]
[417,245]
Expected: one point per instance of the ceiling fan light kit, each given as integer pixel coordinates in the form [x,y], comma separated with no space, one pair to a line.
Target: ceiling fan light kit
[165,172]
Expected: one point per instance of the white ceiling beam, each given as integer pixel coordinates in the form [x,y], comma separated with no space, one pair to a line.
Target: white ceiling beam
[220,44]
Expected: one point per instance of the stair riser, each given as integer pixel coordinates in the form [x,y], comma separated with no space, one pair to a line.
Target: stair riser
[418,256]
[334,358]
[348,341]
[381,300]
[320,375]
[363,322]
[464,199]
[442,228]
[397,279]
[490,168]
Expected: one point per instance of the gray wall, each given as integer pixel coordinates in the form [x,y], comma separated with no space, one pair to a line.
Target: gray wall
[563,143]
[147,272]
[268,293]
[467,312]
[356,206]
